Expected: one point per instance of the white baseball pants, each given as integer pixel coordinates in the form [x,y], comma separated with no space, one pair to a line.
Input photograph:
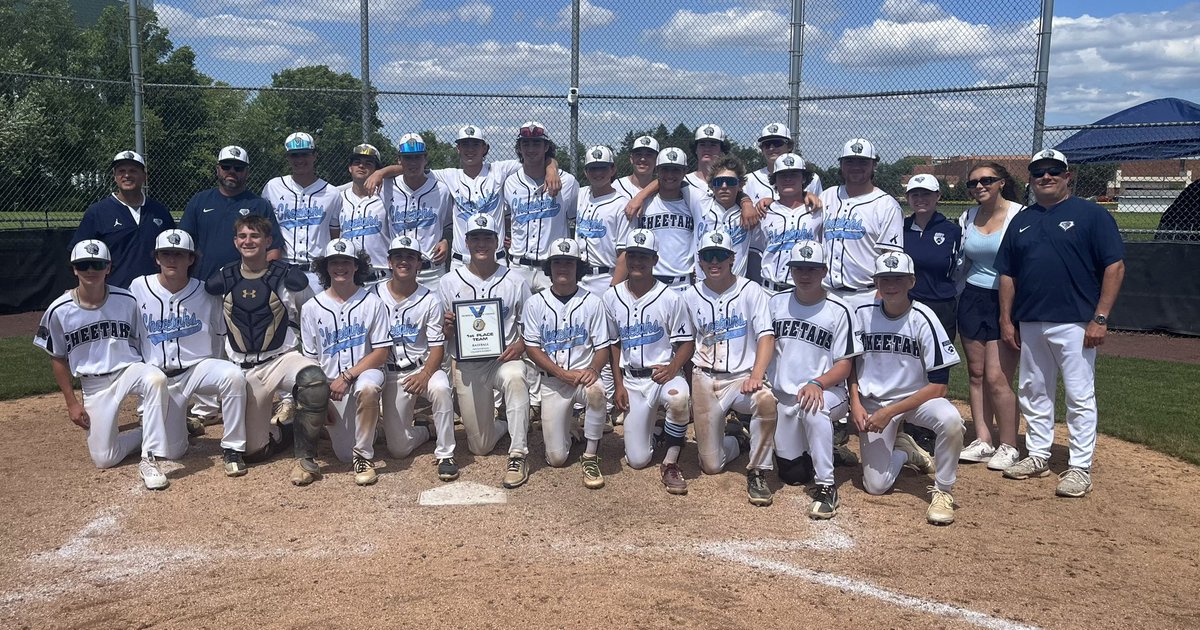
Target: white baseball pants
[558,398]
[799,431]
[102,396]
[215,379]
[474,382]
[712,397]
[355,417]
[645,398]
[398,406]
[1047,349]
[262,381]
[882,463]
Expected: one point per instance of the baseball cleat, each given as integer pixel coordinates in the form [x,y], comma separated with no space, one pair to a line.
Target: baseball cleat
[151,474]
[941,507]
[285,411]
[592,478]
[1029,467]
[918,459]
[756,487]
[447,469]
[1075,483]
[305,472]
[672,478]
[517,473]
[195,426]
[740,431]
[235,466]
[843,456]
[1005,457]
[825,503]
[364,471]
[977,451]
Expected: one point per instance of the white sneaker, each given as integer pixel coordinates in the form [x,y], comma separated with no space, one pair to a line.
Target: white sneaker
[151,474]
[1005,457]
[977,451]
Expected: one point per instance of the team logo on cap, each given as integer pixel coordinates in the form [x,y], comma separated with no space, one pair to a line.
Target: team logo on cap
[718,238]
[789,161]
[672,155]
[640,239]
[173,239]
[339,247]
[1048,153]
[857,147]
[772,128]
[564,247]
[645,141]
[597,154]
[127,155]
[891,262]
[708,131]
[481,221]
[235,152]
[806,252]
[1066,225]
[405,241]
[469,131]
[92,249]
[939,238]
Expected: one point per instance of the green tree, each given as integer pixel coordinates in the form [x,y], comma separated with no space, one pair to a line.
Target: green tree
[1091,180]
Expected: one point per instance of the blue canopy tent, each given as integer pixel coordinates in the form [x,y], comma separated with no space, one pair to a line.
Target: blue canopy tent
[1139,143]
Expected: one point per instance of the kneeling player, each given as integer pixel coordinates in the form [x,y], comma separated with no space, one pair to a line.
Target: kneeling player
[344,329]
[734,343]
[90,333]
[567,337]
[901,377]
[814,348]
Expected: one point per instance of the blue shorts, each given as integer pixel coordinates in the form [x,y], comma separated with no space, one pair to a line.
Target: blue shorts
[979,314]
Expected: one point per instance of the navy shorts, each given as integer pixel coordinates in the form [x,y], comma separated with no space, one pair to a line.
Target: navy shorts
[945,311]
[979,314]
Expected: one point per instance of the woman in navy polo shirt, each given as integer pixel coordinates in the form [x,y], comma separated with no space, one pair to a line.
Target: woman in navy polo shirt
[933,242]
[990,362]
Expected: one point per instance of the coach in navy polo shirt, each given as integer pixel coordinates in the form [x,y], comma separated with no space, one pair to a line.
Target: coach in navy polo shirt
[1061,266]
[127,221]
[210,215]
[932,241]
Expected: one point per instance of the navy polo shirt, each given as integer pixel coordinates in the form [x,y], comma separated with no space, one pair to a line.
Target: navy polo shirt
[935,252]
[130,243]
[1057,256]
[209,218]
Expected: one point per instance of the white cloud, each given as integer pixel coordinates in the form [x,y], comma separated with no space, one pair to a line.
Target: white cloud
[911,11]
[271,54]
[590,16]
[887,44]
[475,13]
[408,12]
[232,28]
[756,29]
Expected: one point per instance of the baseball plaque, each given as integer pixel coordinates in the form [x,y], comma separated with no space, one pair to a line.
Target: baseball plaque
[478,329]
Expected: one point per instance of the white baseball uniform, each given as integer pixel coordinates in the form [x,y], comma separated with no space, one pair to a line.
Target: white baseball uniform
[727,327]
[809,340]
[758,186]
[101,349]
[537,219]
[570,333]
[779,230]
[898,355]
[415,326]
[305,214]
[474,381]
[337,335]
[366,223]
[714,216]
[647,329]
[626,187]
[600,225]
[423,215]
[856,231]
[674,227]
[181,335]
[476,195]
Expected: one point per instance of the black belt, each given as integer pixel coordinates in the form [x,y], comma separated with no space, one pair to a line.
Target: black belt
[638,372]
[460,258]
[777,286]
[396,367]
[174,373]
[670,279]
[529,262]
[249,365]
[598,270]
[850,290]
[708,370]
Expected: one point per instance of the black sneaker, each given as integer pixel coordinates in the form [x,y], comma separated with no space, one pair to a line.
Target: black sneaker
[447,469]
[235,466]
[756,488]
[740,432]
[825,503]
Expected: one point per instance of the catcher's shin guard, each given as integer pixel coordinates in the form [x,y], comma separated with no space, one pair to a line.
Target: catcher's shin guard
[311,394]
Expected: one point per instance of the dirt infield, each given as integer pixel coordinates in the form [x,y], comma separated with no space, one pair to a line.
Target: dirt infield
[90,548]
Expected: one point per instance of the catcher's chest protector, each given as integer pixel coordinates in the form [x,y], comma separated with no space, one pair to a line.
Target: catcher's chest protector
[257,318]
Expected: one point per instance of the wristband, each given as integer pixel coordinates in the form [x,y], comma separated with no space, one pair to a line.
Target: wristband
[813,381]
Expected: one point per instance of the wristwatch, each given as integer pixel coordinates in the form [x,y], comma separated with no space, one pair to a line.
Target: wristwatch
[1101,319]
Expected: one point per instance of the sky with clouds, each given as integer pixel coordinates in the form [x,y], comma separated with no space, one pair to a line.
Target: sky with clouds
[1105,56]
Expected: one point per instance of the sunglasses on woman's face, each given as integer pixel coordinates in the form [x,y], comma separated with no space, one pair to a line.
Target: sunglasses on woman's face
[986,181]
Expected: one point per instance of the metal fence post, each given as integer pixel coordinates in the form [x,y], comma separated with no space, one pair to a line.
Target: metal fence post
[573,91]
[364,54]
[796,54]
[1042,74]
[135,78]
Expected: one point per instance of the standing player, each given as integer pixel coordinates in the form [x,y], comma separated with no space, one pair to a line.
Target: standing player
[671,217]
[89,333]
[474,381]
[414,368]
[364,217]
[601,223]
[815,332]
[788,221]
[774,141]
[344,329]
[643,152]
[708,146]
[305,205]
[861,222]
[901,377]
[567,337]
[734,344]
[652,344]
[720,211]
[420,207]
[127,221]
[536,218]
[181,335]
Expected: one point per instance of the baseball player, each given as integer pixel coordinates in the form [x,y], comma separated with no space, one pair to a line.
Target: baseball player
[567,336]
[653,341]
[861,222]
[90,332]
[126,220]
[536,218]
[774,141]
[414,368]
[643,152]
[671,215]
[261,301]
[901,377]
[364,218]
[734,344]
[708,146]
[721,211]
[182,332]
[305,205]
[420,208]
[345,329]
[601,223]
[787,221]
[474,381]
[815,347]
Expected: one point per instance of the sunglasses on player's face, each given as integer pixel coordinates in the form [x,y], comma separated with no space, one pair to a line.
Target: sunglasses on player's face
[1052,171]
[715,255]
[773,143]
[985,181]
[726,182]
[533,132]
[90,265]
[232,168]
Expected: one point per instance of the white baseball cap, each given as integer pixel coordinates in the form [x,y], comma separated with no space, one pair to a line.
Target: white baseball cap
[129,156]
[599,154]
[923,181]
[366,150]
[859,147]
[775,130]
[174,240]
[481,223]
[533,129]
[789,162]
[340,247]
[672,156]
[641,240]
[564,248]
[1049,154]
[233,153]
[299,141]
[893,264]
[710,132]
[470,132]
[404,243]
[90,249]
[411,144]
[807,254]
[716,239]
[644,142]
